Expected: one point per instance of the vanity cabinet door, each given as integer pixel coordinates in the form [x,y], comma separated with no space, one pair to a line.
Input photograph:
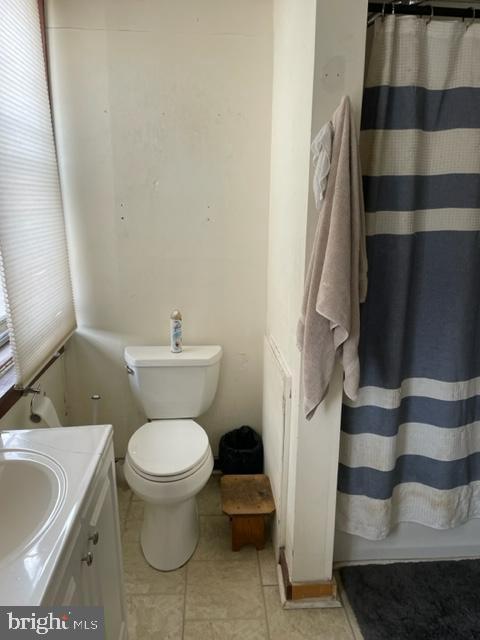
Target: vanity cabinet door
[91,569]
[74,579]
[107,574]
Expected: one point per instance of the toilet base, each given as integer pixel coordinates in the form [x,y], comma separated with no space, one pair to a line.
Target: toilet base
[170,533]
[170,529]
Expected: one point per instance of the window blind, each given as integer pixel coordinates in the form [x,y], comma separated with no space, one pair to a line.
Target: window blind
[33,250]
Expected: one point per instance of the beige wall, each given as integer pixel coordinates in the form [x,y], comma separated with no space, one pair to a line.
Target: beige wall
[162,115]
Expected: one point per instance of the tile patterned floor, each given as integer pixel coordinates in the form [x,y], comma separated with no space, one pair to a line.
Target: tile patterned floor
[219,594]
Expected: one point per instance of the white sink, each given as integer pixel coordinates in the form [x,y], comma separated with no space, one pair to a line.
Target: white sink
[32,489]
[45,475]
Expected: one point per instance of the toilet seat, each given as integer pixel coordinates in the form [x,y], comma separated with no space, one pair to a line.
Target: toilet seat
[168,450]
[173,478]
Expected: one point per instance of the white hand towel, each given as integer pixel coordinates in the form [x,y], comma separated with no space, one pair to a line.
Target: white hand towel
[322,153]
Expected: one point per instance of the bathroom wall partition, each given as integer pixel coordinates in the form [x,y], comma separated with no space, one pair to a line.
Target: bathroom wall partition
[318,57]
[409,474]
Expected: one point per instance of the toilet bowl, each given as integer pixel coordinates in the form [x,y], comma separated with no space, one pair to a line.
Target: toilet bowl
[169,459]
[167,463]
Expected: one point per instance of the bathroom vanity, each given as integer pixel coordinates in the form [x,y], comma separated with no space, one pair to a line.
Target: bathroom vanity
[60,542]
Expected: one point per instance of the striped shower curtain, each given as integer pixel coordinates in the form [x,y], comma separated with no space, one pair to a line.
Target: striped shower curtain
[410,444]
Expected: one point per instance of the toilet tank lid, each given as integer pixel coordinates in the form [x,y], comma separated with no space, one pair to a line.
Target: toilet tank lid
[193,356]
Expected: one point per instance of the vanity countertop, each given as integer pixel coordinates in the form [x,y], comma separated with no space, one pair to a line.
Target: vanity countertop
[75,453]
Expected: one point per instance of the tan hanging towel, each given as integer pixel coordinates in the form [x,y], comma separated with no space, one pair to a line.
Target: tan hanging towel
[336,282]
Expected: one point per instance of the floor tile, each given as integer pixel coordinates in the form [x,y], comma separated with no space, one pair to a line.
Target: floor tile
[133,522]
[141,578]
[226,630]
[209,498]
[223,571]
[225,600]
[124,497]
[216,539]
[268,565]
[304,624]
[224,590]
[155,617]
[219,591]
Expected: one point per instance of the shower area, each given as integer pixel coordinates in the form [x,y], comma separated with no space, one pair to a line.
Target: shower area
[409,472]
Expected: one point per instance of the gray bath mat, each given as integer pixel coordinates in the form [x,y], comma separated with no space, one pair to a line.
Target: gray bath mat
[416,601]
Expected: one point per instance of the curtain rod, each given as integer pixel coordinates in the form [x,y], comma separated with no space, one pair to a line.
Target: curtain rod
[422,10]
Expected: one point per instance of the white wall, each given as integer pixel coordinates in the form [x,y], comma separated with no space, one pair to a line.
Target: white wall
[294,51]
[163,116]
[318,57]
[276,431]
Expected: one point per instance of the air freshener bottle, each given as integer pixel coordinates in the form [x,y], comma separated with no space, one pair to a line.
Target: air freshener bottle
[176,331]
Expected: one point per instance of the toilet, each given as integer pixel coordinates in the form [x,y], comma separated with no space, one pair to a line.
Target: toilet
[169,459]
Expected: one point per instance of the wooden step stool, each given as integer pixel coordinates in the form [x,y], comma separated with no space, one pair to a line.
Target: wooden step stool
[248,500]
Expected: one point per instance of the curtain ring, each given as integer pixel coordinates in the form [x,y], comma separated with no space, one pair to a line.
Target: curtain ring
[383,11]
[472,21]
[431,15]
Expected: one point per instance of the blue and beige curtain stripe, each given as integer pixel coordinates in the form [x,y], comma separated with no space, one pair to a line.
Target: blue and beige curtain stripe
[410,444]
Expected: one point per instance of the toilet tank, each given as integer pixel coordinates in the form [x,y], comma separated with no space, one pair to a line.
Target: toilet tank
[173,385]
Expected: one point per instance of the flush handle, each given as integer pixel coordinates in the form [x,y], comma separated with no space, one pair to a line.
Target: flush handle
[130,371]
[88,558]
[93,537]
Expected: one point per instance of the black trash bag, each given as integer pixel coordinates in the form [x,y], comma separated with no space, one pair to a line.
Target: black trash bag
[241,451]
